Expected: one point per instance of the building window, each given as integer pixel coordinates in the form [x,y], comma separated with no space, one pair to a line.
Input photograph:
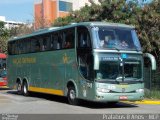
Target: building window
[65,6]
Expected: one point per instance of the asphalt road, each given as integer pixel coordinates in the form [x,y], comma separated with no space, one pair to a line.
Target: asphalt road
[36,103]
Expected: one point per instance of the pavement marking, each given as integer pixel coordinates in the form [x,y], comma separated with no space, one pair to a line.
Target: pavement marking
[151,102]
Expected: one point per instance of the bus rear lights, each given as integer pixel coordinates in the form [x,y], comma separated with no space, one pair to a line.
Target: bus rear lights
[103,90]
[140,90]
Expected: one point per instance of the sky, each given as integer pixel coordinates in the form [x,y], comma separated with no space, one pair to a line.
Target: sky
[17,10]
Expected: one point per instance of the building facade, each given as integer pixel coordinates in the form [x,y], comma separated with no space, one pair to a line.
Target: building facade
[10,24]
[46,11]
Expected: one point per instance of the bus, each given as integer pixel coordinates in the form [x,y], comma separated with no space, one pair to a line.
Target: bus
[93,61]
[3,72]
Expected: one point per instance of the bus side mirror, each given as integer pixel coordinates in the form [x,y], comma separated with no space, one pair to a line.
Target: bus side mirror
[152,59]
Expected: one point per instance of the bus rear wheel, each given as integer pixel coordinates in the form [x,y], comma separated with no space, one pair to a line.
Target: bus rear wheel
[25,89]
[19,87]
[72,96]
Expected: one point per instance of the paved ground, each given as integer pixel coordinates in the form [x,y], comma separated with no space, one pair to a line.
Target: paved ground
[36,103]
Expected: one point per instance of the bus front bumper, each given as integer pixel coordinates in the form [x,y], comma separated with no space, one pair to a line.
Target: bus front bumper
[110,97]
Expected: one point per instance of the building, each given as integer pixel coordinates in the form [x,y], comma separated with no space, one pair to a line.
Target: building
[46,11]
[77,4]
[10,24]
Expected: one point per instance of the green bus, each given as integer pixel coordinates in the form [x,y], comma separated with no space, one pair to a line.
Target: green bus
[94,61]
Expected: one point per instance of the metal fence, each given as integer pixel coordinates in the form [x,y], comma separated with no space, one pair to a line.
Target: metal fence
[151,79]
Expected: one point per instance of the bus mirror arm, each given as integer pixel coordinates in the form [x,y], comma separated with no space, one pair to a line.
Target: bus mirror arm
[96,62]
[152,60]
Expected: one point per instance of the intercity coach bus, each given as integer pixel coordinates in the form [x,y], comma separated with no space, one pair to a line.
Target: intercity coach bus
[94,61]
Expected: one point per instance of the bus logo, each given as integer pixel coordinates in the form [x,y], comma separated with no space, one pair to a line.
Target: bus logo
[65,58]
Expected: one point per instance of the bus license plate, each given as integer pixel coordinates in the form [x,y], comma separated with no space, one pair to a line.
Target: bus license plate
[123,97]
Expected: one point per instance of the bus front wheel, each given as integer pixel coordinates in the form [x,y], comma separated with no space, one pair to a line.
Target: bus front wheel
[72,96]
[25,89]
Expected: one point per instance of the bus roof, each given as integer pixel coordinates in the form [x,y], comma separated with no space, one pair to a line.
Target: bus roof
[51,29]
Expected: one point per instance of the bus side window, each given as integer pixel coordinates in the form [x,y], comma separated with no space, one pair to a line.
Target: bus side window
[40,42]
[13,48]
[54,41]
[83,38]
[37,46]
[22,48]
[45,43]
[69,38]
[83,66]
[28,45]
[48,41]
[16,47]
[60,40]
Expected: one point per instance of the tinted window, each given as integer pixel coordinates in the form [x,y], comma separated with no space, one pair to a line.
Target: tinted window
[69,38]
[64,39]
[119,38]
[83,37]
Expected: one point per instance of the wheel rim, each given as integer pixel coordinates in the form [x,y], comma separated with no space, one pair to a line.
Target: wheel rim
[18,87]
[72,94]
[25,89]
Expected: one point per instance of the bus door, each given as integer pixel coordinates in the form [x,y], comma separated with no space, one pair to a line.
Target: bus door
[85,62]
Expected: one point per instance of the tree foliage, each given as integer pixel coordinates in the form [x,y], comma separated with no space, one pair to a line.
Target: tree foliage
[6,34]
[21,30]
[145,19]
[3,37]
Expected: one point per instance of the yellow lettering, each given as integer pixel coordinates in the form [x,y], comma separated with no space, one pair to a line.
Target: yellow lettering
[24,60]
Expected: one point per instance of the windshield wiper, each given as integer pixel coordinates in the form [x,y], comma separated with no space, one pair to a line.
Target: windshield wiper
[115,48]
[119,78]
[131,79]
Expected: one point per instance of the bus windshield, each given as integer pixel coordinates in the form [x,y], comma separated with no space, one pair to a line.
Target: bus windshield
[113,70]
[117,38]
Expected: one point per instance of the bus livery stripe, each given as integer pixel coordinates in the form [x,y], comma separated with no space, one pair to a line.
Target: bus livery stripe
[45,90]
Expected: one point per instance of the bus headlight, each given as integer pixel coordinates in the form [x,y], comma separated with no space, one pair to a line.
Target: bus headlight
[103,90]
[140,91]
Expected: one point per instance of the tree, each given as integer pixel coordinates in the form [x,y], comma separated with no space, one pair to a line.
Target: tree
[146,19]
[3,38]
[21,30]
[6,34]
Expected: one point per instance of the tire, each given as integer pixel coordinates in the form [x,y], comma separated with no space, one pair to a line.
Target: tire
[25,89]
[72,96]
[19,87]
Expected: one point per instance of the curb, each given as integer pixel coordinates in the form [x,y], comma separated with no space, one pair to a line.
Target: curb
[3,86]
[149,102]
